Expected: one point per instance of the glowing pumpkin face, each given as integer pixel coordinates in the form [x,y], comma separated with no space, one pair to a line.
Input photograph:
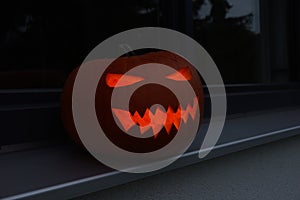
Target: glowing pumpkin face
[153,115]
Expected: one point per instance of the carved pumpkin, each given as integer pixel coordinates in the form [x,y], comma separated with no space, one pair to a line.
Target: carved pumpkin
[154,110]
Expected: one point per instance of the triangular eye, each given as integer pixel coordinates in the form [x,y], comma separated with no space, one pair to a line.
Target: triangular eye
[120,80]
[183,74]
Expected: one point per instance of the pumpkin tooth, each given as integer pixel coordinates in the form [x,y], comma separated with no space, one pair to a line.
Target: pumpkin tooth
[124,118]
[143,120]
[190,111]
[173,118]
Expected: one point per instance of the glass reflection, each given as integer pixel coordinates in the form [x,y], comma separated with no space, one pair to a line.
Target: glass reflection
[229,31]
[42,42]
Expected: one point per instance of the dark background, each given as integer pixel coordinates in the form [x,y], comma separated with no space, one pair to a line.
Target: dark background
[251,42]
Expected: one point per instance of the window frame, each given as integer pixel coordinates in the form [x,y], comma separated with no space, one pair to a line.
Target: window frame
[42,105]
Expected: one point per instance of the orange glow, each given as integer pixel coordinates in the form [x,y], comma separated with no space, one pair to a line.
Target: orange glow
[183,74]
[120,80]
[158,120]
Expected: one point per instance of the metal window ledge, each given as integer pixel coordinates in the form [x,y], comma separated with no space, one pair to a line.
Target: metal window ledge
[65,171]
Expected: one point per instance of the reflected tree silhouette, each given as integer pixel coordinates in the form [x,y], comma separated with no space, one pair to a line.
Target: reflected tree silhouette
[230,41]
[219,10]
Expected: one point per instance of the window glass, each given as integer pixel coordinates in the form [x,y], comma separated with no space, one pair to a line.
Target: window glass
[230,31]
[42,41]
[251,41]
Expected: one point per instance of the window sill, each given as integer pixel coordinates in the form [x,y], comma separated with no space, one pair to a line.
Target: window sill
[65,171]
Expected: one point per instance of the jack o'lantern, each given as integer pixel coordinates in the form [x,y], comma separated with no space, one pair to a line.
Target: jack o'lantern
[153,111]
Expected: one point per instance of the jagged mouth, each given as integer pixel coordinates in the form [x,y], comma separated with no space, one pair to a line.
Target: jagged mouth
[158,118]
